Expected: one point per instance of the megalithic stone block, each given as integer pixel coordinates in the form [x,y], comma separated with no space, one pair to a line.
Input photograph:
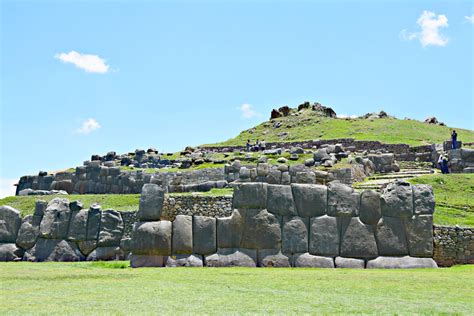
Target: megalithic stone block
[250,196]
[55,222]
[151,202]
[295,234]
[370,209]
[152,238]
[423,199]
[401,263]
[273,258]
[184,261]
[182,235]
[78,225]
[324,236]
[342,200]
[230,229]
[310,199]
[10,222]
[280,200]
[233,258]
[397,200]
[111,229]
[28,233]
[358,240]
[261,230]
[93,222]
[306,260]
[351,263]
[391,237]
[419,230]
[204,235]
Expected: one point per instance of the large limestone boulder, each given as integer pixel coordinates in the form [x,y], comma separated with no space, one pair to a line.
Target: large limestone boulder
[184,261]
[280,200]
[139,261]
[182,235]
[229,230]
[370,209]
[55,223]
[250,196]
[28,232]
[419,230]
[273,258]
[78,225]
[391,237]
[467,154]
[342,200]
[87,246]
[306,260]
[321,155]
[397,200]
[105,253]
[151,202]
[350,263]
[310,199]
[54,250]
[423,199]
[204,235]
[295,234]
[93,222]
[152,238]
[358,240]
[261,230]
[10,252]
[401,263]
[324,236]
[111,229]
[233,258]
[10,222]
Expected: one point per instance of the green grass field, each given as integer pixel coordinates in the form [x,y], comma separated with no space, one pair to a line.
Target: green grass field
[309,125]
[112,288]
[454,195]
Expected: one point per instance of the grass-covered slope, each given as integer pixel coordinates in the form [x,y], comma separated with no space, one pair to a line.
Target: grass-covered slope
[113,288]
[309,125]
[454,195]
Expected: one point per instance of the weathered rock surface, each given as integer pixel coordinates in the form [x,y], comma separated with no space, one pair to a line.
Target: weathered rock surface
[310,199]
[424,201]
[105,253]
[28,232]
[184,261]
[87,246]
[152,238]
[351,263]
[10,222]
[204,235]
[401,263]
[151,202]
[370,210]
[261,230]
[273,258]
[306,260]
[391,237]
[232,258]
[55,223]
[111,229]
[280,200]
[419,229]
[78,225]
[93,222]
[229,230]
[10,252]
[182,235]
[140,261]
[342,200]
[54,250]
[250,196]
[397,200]
[324,236]
[358,240]
[295,234]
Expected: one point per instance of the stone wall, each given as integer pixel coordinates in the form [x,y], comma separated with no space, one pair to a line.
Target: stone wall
[302,225]
[461,160]
[64,231]
[211,206]
[453,245]
[403,152]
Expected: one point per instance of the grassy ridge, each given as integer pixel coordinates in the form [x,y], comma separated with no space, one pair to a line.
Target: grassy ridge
[112,288]
[309,125]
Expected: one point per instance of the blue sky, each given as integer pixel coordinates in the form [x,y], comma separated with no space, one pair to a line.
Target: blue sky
[170,74]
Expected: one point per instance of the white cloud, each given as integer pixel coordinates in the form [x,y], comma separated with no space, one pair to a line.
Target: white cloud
[88,126]
[470,19]
[6,187]
[247,111]
[347,116]
[430,25]
[89,63]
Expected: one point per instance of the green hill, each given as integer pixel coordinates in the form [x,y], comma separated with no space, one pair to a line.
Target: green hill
[308,124]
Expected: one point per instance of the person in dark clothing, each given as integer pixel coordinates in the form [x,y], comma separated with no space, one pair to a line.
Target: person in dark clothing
[248,145]
[444,163]
[454,139]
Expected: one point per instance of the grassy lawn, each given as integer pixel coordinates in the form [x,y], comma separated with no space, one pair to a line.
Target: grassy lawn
[454,195]
[308,125]
[112,288]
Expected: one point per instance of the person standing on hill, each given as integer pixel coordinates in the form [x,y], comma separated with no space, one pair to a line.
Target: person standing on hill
[262,145]
[248,145]
[454,139]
